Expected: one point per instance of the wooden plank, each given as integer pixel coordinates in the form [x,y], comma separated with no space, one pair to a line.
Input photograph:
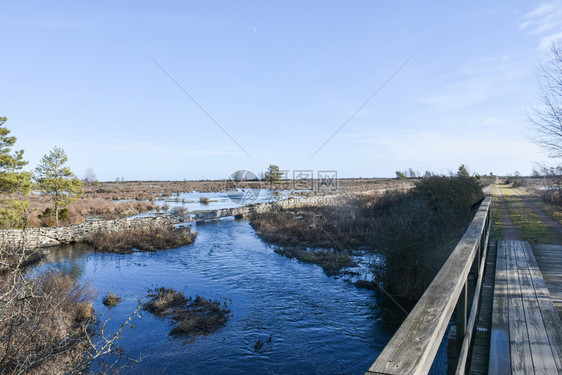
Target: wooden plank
[550,316]
[413,347]
[500,360]
[541,353]
[548,259]
[521,360]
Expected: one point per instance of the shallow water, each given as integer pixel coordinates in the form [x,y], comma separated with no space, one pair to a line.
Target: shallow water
[317,324]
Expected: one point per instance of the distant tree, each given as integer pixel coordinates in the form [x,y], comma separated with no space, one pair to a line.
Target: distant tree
[411,173]
[273,174]
[57,180]
[90,177]
[463,172]
[547,118]
[400,175]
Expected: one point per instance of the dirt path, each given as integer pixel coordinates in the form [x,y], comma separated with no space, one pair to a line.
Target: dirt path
[553,226]
[510,231]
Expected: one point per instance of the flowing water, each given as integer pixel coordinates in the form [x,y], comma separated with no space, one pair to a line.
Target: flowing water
[308,322]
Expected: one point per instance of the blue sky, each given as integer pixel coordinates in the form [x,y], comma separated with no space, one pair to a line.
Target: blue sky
[280,79]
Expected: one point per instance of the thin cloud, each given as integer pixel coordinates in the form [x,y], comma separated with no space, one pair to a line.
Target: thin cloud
[476,82]
[545,22]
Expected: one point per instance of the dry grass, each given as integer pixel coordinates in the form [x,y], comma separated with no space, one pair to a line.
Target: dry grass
[331,261]
[193,317]
[153,238]
[43,323]
[111,200]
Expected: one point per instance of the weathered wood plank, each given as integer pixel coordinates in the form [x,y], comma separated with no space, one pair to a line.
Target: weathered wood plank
[500,360]
[413,347]
[541,352]
[548,312]
[520,350]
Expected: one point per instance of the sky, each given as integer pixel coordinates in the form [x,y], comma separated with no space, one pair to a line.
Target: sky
[194,90]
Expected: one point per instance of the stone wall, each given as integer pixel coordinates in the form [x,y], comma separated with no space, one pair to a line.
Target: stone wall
[264,207]
[44,237]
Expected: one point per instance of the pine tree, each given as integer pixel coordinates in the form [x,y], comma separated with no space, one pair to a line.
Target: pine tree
[12,179]
[57,180]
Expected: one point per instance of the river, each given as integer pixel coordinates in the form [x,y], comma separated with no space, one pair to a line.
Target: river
[308,322]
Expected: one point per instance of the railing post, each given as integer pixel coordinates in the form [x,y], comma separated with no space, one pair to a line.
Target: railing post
[462,306]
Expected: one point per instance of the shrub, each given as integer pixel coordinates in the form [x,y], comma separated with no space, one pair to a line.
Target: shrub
[416,231]
[180,211]
[204,200]
[44,321]
[413,231]
[111,299]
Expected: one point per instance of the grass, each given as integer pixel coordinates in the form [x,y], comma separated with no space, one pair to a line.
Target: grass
[529,223]
[550,209]
[192,316]
[331,261]
[155,238]
[496,230]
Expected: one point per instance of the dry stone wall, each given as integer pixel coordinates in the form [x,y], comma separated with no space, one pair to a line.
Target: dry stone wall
[44,237]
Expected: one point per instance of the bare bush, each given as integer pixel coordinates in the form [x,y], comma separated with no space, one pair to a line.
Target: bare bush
[47,322]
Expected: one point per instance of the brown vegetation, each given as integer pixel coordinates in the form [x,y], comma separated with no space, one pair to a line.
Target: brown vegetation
[412,231]
[193,317]
[44,320]
[331,261]
[111,299]
[153,238]
[111,200]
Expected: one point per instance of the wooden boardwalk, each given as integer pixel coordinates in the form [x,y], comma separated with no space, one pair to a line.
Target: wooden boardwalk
[549,259]
[514,325]
[526,336]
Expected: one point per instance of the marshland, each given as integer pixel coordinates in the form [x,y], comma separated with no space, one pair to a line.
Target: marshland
[268,187]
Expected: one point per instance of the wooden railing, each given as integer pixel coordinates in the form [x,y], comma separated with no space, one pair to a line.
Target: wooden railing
[413,347]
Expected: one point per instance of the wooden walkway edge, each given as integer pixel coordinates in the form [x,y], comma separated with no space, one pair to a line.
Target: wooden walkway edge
[526,335]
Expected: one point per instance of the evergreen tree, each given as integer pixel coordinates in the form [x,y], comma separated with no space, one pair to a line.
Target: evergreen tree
[57,180]
[273,174]
[15,184]
[12,179]
[463,172]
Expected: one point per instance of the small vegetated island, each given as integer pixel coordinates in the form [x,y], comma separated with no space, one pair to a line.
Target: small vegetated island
[153,238]
[191,316]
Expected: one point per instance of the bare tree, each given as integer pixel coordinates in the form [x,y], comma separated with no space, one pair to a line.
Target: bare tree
[547,118]
[90,177]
